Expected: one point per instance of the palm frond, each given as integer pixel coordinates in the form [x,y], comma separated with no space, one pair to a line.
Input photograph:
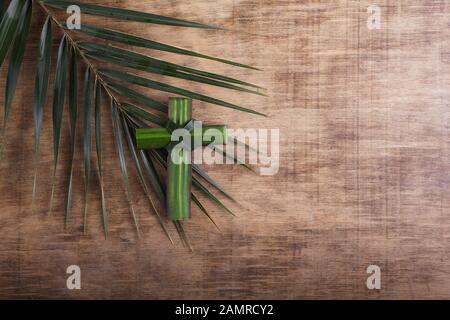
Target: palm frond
[129,108]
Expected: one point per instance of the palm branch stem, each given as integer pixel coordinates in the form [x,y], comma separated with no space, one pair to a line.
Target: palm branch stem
[74,45]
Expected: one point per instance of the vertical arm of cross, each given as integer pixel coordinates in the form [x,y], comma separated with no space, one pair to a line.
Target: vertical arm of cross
[179,173]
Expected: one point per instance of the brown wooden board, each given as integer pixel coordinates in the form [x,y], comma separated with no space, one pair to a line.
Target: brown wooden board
[364,164]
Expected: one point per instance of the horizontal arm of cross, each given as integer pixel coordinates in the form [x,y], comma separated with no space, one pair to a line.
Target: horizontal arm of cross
[156,138]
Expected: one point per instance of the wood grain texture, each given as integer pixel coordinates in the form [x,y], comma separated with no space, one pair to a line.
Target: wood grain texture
[364,169]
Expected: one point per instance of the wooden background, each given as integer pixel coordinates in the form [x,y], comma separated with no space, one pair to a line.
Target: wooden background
[364,164]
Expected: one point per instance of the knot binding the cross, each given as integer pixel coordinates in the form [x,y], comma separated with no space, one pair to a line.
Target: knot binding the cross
[179,173]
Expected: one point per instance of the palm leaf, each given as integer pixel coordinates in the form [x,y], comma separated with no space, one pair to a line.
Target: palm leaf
[124,14]
[117,126]
[40,91]
[8,27]
[234,158]
[142,114]
[197,169]
[2,8]
[133,79]
[138,97]
[180,229]
[59,95]
[196,183]
[205,212]
[98,49]
[73,114]
[98,144]
[87,106]
[153,175]
[133,152]
[171,73]
[16,60]
[119,37]
[147,157]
